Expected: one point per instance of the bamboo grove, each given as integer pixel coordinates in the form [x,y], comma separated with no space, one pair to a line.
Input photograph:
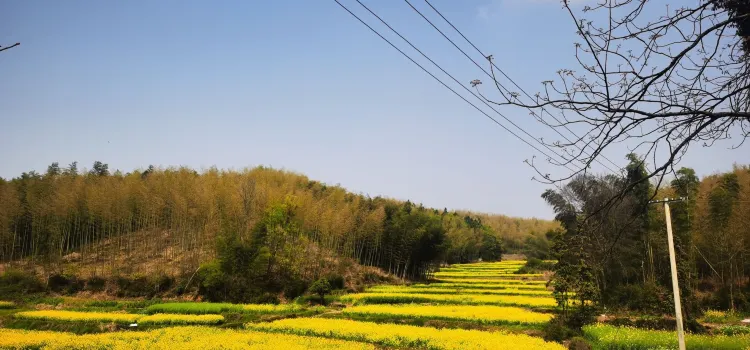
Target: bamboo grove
[615,255]
[168,221]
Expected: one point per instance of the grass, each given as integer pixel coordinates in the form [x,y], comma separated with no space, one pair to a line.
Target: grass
[190,337]
[437,290]
[76,316]
[468,299]
[491,315]
[404,336]
[176,319]
[628,338]
[733,330]
[716,316]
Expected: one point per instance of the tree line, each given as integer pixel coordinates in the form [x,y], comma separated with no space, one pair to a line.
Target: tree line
[613,253]
[171,221]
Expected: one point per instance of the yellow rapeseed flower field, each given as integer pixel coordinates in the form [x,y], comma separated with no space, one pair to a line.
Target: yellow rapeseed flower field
[489,281]
[405,336]
[7,304]
[480,314]
[471,274]
[437,290]
[171,338]
[495,286]
[75,316]
[177,319]
[470,299]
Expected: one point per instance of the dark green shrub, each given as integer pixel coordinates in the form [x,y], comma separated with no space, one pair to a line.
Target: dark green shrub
[579,343]
[163,283]
[212,282]
[321,287]
[96,284]
[66,284]
[556,330]
[534,265]
[18,283]
[295,288]
[137,286]
[336,281]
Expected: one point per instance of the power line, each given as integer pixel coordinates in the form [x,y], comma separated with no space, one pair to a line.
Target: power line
[511,80]
[438,79]
[454,79]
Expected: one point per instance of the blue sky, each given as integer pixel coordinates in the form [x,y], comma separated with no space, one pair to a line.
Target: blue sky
[299,85]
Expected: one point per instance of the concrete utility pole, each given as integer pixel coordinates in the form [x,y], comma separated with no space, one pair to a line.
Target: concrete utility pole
[673,264]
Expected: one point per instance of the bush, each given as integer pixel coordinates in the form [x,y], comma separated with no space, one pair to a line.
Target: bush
[336,281]
[163,283]
[66,284]
[95,284]
[18,283]
[534,265]
[731,331]
[579,343]
[321,287]
[556,330]
[212,282]
[649,298]
[295,288]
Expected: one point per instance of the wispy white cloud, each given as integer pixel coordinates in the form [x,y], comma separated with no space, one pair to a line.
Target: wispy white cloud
[493,8]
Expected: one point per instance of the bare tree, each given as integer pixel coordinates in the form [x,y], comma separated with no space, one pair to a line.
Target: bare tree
[660,83]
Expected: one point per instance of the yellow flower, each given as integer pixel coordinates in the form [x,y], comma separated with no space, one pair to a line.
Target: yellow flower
[391,335]
[444,290]
[479,314]
[181,319]
[469,299]
[172,338]
[58,315]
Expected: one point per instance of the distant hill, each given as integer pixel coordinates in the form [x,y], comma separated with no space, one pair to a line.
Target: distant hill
[169,222]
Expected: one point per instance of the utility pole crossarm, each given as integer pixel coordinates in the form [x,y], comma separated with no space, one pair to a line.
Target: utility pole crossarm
[668,200]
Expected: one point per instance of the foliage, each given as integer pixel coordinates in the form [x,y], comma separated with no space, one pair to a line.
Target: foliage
[733,330]
[321,287]
[718,316]
[280,227]
[579,343]
[480,314]
[18,283]
[66,284]
[534,265]
[611,337]
[191,337]
[390,335]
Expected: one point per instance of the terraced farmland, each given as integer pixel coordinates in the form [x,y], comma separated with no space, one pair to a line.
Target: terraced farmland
[487,306]
[469,312]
